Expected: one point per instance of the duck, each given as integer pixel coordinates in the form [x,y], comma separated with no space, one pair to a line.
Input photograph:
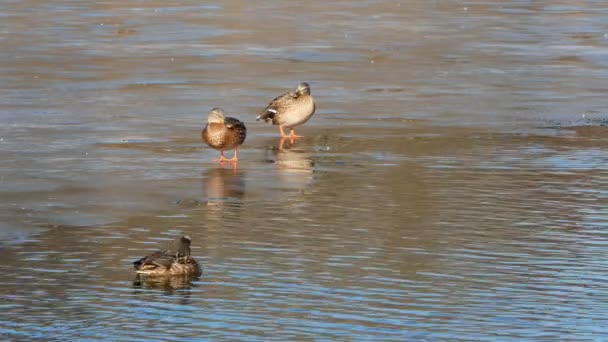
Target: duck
[224,133]
[290,110]
[167,262]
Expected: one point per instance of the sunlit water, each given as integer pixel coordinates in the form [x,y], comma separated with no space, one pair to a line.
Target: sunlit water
[452,184]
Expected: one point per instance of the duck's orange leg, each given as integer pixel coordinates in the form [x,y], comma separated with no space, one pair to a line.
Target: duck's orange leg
[283,135]
[291,135]
[235,158]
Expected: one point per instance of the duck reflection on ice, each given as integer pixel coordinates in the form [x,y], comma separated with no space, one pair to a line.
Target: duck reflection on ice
[223,185]
[294,166]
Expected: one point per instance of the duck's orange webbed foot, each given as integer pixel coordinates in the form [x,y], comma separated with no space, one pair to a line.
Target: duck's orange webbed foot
[292,135]
[222,158]
[234,159]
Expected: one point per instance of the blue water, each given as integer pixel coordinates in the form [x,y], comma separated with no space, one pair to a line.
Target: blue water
[451,186]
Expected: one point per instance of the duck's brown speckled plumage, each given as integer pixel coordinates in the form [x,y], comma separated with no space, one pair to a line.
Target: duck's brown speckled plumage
[291,109]
[169,262]
[223,134]
[226,136]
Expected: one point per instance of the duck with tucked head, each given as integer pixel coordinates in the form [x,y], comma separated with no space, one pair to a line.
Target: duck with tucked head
[222,133]
[290,110]
[167,262]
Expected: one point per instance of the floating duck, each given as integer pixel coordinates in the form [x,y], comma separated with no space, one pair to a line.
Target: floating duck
[168,262]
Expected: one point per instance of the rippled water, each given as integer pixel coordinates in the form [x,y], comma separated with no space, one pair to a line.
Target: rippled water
[452,185]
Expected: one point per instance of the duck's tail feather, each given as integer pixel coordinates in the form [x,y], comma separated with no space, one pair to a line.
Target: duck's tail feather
[267,115]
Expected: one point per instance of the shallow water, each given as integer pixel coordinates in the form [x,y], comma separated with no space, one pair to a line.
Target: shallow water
[452,184]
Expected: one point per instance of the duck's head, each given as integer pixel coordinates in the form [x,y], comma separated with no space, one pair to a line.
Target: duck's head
[184,245]
[215,116]
[303,89]
[186,240]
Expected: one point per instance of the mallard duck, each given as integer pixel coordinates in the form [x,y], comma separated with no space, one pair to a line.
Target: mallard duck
[222,133]
[167,262]
[290,110]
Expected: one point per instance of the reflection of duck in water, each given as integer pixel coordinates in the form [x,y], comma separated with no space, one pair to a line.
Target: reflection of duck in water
[165,282]
[222,133]
[223,185]
[294,166]
[169,262]
[290,110]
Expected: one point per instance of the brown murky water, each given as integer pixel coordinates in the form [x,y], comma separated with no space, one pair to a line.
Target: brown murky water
[452,185]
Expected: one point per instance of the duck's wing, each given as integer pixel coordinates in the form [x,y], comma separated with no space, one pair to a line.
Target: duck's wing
[238,127]
[275,106]
[232,123]
[138,263]
[156,259]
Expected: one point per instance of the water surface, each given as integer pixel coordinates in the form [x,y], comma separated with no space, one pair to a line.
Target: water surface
[452,184]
